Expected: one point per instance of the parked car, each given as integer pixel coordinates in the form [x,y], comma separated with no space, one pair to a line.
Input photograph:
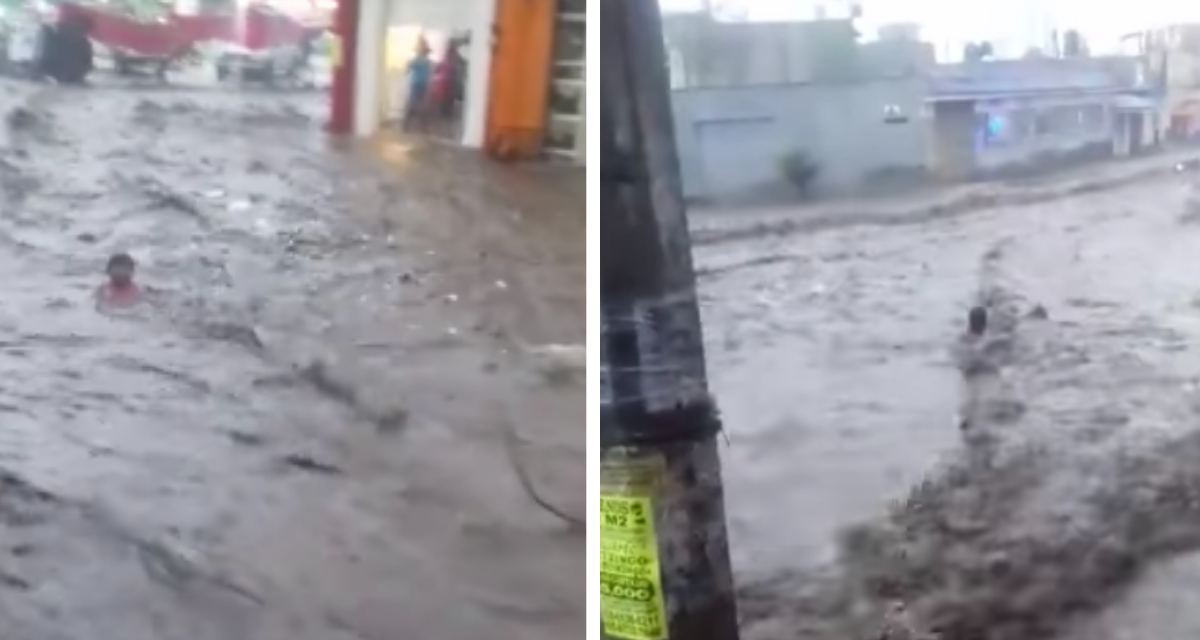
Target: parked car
[291,59]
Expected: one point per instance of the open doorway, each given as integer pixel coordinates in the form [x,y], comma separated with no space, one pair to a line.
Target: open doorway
[427,74]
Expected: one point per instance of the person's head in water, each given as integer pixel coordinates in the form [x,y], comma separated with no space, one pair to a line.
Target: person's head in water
[120,269]
[977,321]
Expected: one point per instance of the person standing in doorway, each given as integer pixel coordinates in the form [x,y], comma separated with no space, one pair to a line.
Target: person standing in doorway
[420,72]
[445,91]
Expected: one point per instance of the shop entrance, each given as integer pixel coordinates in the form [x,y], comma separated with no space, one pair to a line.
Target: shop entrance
[427,66]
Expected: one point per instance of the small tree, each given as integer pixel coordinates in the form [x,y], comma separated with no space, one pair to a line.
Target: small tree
[800,170]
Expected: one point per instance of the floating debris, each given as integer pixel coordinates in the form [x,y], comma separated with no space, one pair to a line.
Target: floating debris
[306,462]
[246,438]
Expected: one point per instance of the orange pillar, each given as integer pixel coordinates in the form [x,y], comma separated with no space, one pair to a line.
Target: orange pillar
[523,42]
[341,90]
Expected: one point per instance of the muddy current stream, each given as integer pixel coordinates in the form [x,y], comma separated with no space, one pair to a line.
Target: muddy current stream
[1070,510]
[308,431]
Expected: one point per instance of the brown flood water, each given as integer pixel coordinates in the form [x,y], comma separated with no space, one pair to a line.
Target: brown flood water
[303,434]
[851,491]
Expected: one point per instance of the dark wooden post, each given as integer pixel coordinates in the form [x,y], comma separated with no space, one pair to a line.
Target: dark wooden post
[665,569]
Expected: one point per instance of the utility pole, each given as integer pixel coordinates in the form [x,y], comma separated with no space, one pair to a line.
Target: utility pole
[664,558]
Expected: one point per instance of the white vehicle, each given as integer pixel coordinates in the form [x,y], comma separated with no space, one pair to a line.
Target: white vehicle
[291,64]
[243,63]
[23,31]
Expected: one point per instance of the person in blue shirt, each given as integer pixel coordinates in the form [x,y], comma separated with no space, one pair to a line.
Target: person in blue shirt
[420,72]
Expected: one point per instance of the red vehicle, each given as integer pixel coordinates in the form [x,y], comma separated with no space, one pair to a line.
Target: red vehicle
[162,42]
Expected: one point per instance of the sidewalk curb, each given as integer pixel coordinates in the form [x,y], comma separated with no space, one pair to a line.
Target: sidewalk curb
[987,196]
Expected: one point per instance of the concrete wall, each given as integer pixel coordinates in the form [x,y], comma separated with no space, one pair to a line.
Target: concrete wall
[1183,70]
[1182,92]
[705,53]
[731,141]
[952,139]
[710,53]
[434,14]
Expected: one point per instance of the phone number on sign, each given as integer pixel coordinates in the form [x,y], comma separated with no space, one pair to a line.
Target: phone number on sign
[625,588]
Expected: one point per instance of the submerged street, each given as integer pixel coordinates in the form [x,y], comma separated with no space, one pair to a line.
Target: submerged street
[317,426]
[831,351]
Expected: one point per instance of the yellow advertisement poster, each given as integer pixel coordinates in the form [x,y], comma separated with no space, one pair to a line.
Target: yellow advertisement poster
[631,599]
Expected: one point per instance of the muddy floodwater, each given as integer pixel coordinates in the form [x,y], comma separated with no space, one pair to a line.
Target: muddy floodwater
[857,507]
[313,426]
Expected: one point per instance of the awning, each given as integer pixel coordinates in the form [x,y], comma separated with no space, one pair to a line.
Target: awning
[1126,102]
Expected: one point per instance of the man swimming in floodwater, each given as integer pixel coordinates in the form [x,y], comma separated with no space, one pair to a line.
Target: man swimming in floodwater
[971,359]
[970,352]
[977,322]
[120,290]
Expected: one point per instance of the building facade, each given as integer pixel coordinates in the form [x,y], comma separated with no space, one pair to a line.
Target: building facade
[861,136]
[525,83]
[751,97]
[946,123]
[1172,56]
[1020,117]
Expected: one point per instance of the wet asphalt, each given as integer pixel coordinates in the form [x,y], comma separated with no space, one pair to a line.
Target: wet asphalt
[310,429]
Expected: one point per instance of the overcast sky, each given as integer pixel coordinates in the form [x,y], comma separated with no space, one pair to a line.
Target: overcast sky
[1010,22]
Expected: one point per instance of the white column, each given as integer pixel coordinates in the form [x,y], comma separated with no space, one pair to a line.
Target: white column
[368,85]
[479,71]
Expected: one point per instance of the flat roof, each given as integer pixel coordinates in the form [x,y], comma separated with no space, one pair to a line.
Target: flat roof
[976,96]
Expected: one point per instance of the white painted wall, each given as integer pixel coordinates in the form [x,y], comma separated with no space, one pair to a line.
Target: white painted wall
[475,103]
[369,67]
[435,14]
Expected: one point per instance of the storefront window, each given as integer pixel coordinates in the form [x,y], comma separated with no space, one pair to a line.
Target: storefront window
[570,43]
